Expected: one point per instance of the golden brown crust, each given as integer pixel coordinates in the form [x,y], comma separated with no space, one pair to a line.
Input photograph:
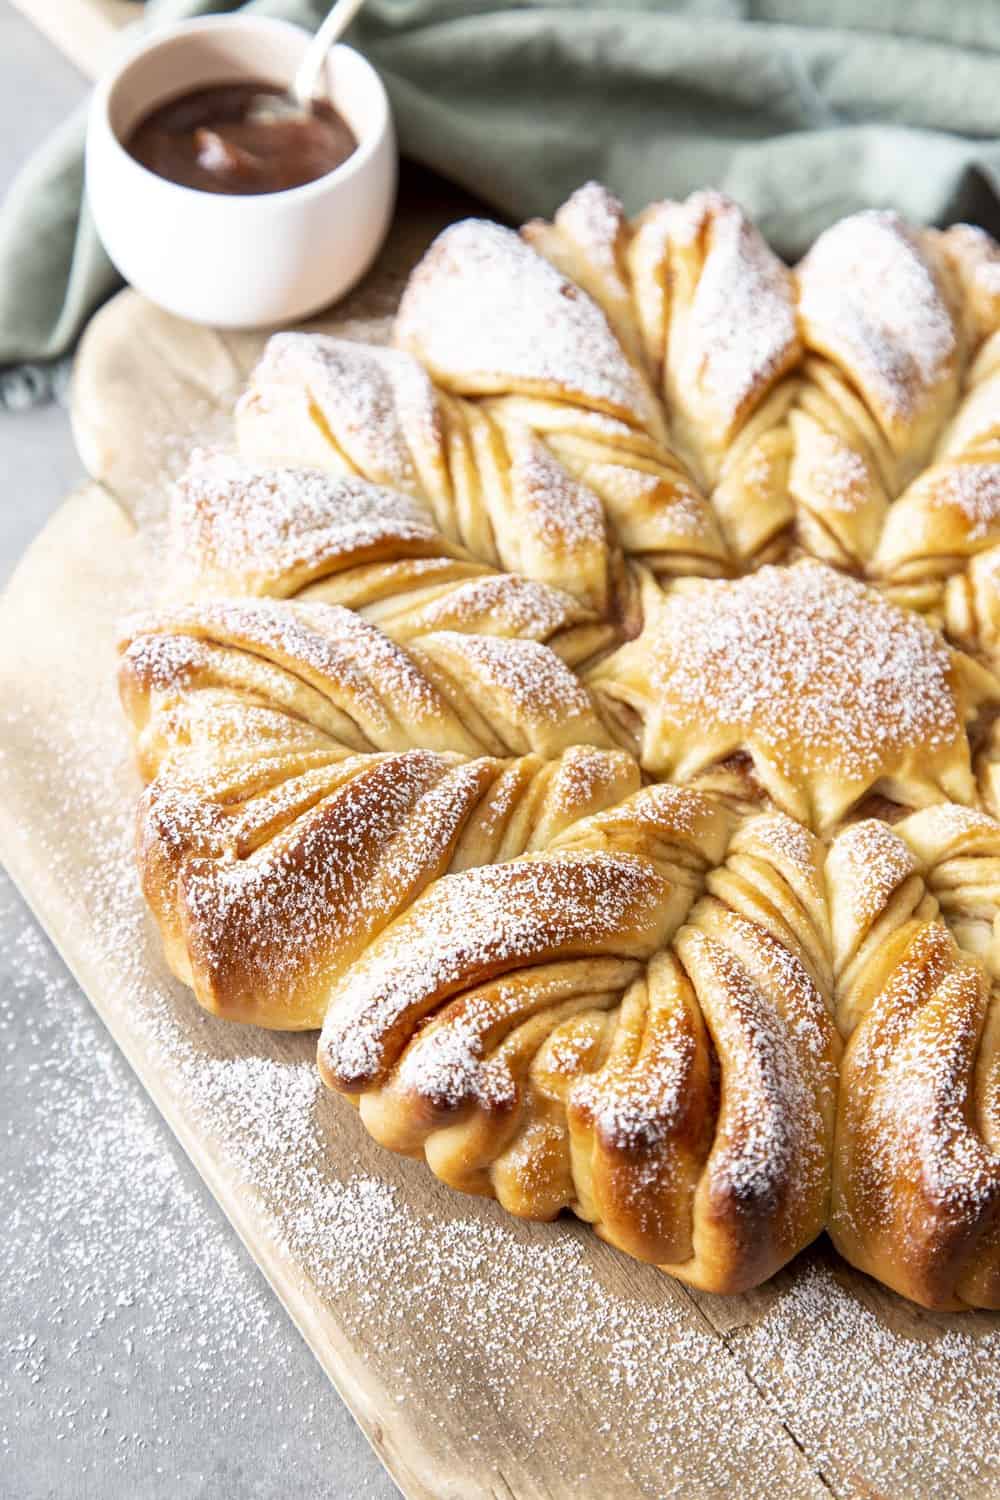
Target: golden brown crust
[685,1056]
[397,714]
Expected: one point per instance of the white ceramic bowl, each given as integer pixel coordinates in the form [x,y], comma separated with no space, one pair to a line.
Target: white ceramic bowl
[238,262]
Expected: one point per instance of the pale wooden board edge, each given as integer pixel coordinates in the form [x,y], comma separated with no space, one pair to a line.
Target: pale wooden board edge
[84,30]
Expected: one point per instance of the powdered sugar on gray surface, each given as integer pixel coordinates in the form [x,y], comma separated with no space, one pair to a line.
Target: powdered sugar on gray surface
[137,1343]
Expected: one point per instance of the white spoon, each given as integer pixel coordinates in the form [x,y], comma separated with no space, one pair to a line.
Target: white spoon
[306,79]
[305,85]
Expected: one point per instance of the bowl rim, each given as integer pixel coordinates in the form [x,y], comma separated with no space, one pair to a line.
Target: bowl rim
[369,143]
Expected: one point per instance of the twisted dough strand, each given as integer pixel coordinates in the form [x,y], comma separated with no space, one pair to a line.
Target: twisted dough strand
[916,1195]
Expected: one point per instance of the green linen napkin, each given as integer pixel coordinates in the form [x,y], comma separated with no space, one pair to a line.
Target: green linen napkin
[804,110]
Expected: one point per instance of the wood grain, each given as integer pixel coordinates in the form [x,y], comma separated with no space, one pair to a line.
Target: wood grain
[482,1356]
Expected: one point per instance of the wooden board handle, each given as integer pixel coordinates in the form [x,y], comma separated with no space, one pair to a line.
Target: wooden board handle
[84,30]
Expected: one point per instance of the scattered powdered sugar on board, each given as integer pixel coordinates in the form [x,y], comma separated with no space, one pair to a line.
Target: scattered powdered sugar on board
[908,1415]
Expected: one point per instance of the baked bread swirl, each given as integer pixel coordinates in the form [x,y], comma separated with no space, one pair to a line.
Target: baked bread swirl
[585,714]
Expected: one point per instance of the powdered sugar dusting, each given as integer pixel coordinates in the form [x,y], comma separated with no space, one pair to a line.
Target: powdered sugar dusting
[378,406]
[430,1293]
[594,218]
[772,1133]
[534,1309]
[789,841]
[903,1413]
[869,298]
[565,512]
[503,603]
[838,477]
[533,680]
[251,527]
[307,903]
[821,671]
[917,1156]
[879,862]
[741,331]
[479,923]
[635,1111]
[449,1062]
[686,513]
[973,491]
[486,313]
[336,649]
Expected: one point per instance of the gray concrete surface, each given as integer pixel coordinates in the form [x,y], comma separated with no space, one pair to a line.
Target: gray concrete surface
[141,1353]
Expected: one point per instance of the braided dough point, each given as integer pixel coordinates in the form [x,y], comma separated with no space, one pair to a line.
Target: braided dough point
[872,300]
[832,691]
[916,1188]
[951,512]
[486,315]
[629,500]
[352,408]
[239,528]
[489,485]
[717,309]
[305,764]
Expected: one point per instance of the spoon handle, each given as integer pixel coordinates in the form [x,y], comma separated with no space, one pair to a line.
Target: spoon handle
[307,77]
